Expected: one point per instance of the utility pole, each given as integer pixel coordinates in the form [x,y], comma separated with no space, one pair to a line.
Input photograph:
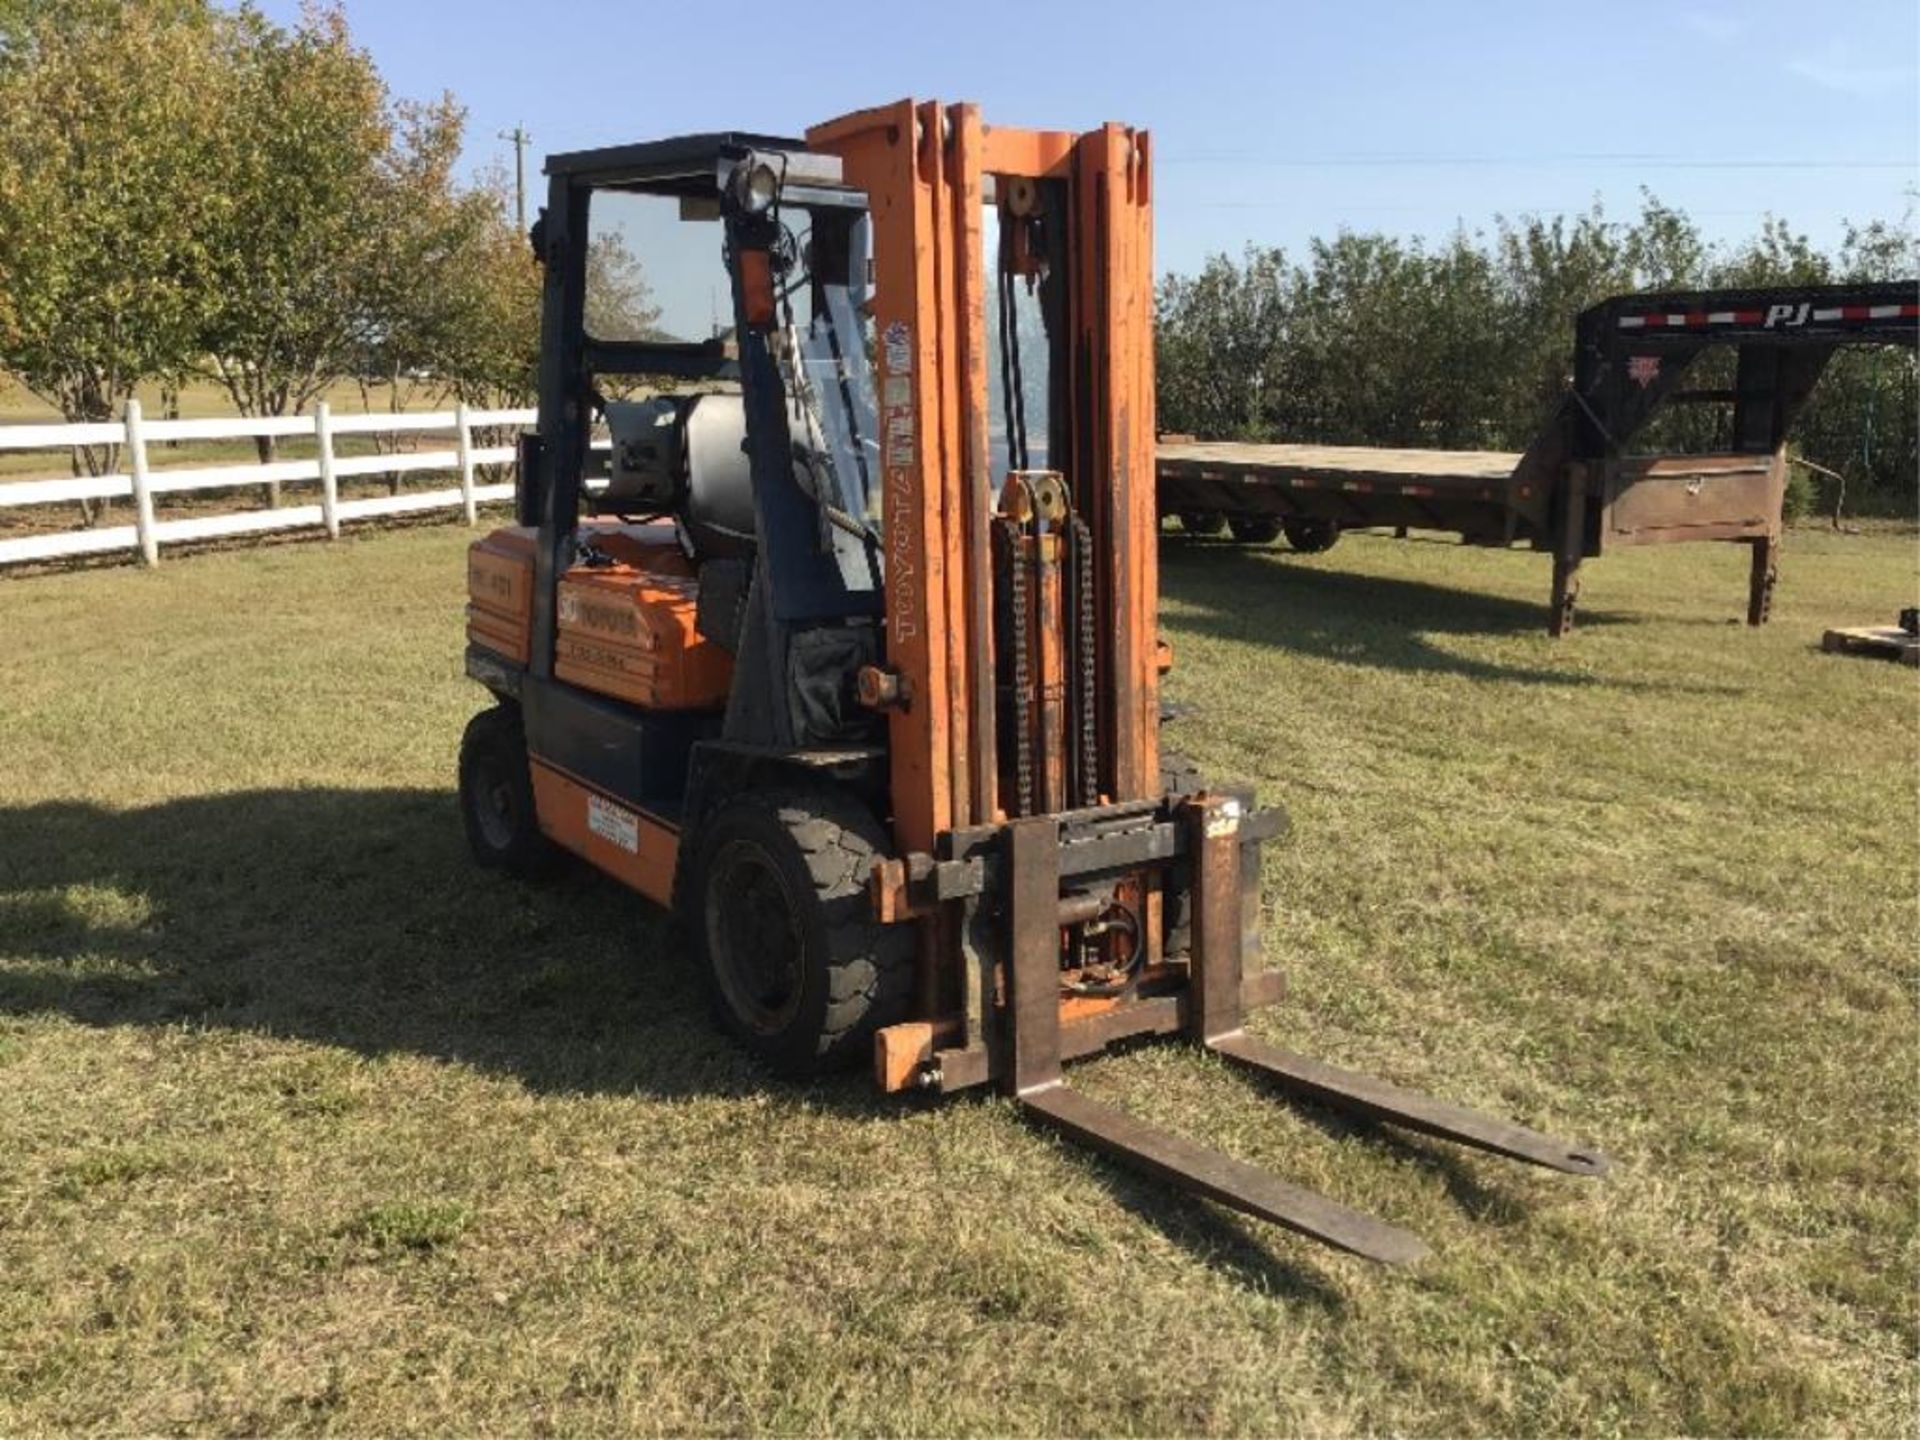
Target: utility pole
[521,139]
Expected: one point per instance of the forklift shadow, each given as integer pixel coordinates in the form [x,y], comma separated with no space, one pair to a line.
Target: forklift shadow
[356,919]
[1253,595]
[352,918]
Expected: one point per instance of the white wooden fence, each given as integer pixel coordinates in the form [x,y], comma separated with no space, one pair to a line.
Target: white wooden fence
[141,481]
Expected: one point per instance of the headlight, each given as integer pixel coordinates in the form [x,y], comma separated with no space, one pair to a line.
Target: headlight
[756,187]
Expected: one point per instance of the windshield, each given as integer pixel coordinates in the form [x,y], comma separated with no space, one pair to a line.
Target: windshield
[832,381]
[655,269]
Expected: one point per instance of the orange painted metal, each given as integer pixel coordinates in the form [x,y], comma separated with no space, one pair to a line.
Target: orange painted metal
[900,1050]
[1039,154]
[756,284]
[627,629]
[951,285]
[500,592]
[974,450]
[1085,1007]
[924,171]
[638,849]
[887,884]
[649,562]
[1050,653]
[1114,464]
[880,152]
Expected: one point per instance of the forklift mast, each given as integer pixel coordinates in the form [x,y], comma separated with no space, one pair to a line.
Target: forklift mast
[1073,220]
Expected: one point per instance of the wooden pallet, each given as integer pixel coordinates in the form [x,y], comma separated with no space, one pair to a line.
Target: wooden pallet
[1889,642]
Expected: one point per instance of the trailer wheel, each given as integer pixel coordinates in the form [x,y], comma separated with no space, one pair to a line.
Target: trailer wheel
[1202,522]
[496,797]
[1311,536]
[1254,529]
[797,968]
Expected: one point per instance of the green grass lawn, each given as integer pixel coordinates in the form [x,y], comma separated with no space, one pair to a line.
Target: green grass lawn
[305,1124]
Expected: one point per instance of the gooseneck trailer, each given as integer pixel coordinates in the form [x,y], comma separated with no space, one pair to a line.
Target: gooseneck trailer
[1582,487]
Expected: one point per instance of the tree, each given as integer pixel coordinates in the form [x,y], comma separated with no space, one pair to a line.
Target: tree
[619,300]
[1374,340]
[487,347]
[1221,334]
[306,135]
[416,291]
[105,200]
[189,189]
[1859,426]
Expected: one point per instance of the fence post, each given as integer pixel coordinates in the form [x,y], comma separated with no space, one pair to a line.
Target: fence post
[329,485]
[464,428]
[148,542]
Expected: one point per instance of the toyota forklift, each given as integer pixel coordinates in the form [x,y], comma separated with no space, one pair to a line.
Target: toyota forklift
[834,629]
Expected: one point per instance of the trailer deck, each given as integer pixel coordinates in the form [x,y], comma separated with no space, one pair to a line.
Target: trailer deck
[1577,491]
[1348,484]
[1359,466]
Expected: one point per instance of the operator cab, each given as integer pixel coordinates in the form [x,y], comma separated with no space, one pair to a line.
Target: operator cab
[705,473]
[708,365]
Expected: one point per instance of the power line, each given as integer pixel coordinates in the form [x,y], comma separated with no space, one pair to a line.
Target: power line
[1648,162]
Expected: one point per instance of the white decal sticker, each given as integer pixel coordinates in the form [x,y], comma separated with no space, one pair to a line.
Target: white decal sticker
[1643,370]
[899,439]
[898,429]
[1225,819]
[899,344]
[614,825]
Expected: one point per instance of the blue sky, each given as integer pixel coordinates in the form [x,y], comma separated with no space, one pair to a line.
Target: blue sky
[1273,122]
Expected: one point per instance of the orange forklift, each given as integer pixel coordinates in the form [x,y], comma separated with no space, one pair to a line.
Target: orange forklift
[834,629]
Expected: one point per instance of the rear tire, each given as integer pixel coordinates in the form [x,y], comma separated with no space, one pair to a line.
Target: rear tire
[1311,536]
[1254,529]
[1202,522]
[496,797]
[798,969]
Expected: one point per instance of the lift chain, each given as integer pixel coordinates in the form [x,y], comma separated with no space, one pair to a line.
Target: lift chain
[1081,539]
[1014,644]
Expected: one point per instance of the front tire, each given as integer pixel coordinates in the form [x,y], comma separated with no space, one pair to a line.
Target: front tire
[496,796]
[798,969]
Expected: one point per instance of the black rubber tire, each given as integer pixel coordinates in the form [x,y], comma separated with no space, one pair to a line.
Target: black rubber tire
[800,860]
[1254,529]
[1202,522]
[1178,776]
[1311,536]
[496,797]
